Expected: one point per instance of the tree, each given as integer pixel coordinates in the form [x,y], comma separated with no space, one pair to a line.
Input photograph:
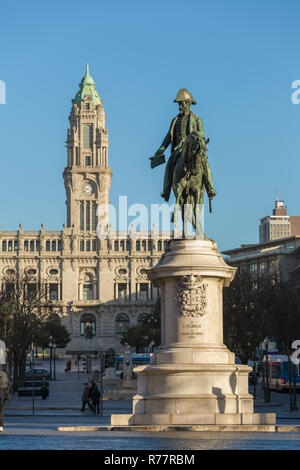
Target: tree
[247,312]
[54,329]
[148,331]
[285,326]
[23,309]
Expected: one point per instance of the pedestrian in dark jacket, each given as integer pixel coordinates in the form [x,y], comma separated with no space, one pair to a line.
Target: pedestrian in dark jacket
[86,397]
[95,397]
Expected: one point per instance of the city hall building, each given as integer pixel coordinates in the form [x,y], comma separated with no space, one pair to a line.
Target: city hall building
[94,281]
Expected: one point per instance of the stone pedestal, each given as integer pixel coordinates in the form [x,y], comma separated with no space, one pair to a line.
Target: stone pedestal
[110,377]
[193,378]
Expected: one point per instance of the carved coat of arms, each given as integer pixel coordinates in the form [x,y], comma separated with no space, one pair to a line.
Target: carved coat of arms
[191,296]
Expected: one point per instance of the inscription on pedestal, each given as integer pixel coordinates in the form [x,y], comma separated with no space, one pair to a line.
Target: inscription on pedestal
[191,330]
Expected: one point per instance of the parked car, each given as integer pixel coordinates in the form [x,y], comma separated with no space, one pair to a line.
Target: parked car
[37,373]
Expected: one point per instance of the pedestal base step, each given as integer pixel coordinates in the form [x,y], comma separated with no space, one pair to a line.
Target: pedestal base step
[194,419]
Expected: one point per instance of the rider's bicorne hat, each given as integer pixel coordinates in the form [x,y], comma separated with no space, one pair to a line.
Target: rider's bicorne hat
[183,95]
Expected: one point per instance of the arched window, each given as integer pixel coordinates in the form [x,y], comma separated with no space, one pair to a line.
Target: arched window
[87,323]
[144,245]
[59,245]
[122,323]
[159,245]
[138,245]
[53,246]
[149,245]
[127,245]
[81,245]
[88,136]
[122,245]
[116,246]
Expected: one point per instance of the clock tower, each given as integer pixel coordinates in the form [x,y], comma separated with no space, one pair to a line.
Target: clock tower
[87,176]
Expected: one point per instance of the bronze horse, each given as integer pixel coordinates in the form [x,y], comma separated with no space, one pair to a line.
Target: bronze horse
[188,181]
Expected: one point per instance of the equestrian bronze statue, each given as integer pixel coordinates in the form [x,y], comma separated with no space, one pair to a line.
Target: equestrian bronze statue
[187,170]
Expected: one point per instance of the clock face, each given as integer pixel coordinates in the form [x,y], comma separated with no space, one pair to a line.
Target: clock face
[87,189]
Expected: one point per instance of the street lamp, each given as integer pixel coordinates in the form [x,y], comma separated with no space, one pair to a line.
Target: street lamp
[50,348]
[267,389]
[54,371]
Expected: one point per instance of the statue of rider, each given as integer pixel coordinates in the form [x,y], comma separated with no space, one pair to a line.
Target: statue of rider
[181,126]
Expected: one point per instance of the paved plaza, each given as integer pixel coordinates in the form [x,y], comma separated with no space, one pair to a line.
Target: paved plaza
[23,430]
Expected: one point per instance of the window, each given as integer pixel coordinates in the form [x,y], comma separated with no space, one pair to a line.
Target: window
[138,245]
[53,246]
[94,244]
[31,272]
[81,216]
[88,136]
[87,291]
[81,245]
[10,272]
[144,245]
[127,245]
[116,246]
[122,245]
[88,160]
[122,323]
[26,245]
[87,106]
[47,245]
[149,245]
[122,289]
[94,216]
[16,245]
[31,245]
[122,271]
[88,216]
[143,291]
[88,245]
[87,321]
[53,291]
[4,245]
[53,272]
[10,245]
[159,245]
[37,245]
[59,245]
[31,290]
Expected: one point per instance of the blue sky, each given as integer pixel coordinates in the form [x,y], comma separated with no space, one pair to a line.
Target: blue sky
[238,59]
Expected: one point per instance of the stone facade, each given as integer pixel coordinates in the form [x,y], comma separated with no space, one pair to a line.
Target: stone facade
[100,282]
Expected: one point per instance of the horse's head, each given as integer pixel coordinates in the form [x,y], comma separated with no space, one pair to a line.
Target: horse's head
[194,145]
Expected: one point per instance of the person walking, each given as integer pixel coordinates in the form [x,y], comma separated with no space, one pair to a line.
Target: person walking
[95,397]
[86,397]
[68,366]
